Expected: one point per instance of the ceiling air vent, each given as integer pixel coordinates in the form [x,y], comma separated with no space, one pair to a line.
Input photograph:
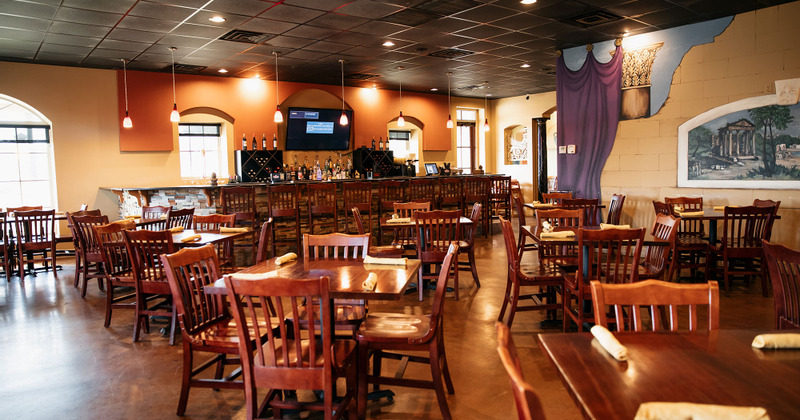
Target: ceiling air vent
[598,17]
[362,76]
[410,17]
[450,53]
[248,37]
[473,87]
[185,68]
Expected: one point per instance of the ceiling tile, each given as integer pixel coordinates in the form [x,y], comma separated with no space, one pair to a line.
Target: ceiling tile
[313,32]
[520,21]
[231,20]
[241,7]
[447,24]
[379,28]
[80,41]
[639,7]
[161,11]
[337,21]
[15,53]
[65,49]
[115,6]
[667,18]
[307,55]
[266,26]
[18,44]
[486,13]
[329,47]
[353,38]
[286,13]
[153,25]
[326,5]
[561,9]
[182,42]
[57,58]
[21,22]
[482,31]
[368,9]
[512,38]
[479,46]
[34,10]
[122,34]
[116,55]
[201,31]
[89,17]
[113,44]
[78,29]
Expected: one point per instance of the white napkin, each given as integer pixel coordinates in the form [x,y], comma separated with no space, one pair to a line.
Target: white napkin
[399,220]
[690,213]
[692,411]
[133,216]
[559,234]
[176,229]
[611,226]
[285,258]
[610,343]
[777,341]
[370,283]
[386,261]
[193,238]
[224,229]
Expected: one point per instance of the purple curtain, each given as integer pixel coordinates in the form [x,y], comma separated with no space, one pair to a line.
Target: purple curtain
[588,103]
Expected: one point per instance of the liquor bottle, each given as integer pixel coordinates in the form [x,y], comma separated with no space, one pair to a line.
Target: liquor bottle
[380,143]
[263,141]
[255,145]
[274,142]
[373,143]
[244,142]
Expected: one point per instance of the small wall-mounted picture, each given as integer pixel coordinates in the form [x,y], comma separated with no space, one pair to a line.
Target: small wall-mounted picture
[571,149]
[562,149]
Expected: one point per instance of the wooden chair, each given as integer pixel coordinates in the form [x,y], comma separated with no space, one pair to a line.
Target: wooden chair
[476,190]
[284,209]
[5,247]
[156,213]
[768,203]
[206,324]
[609,256]
[241,202]
[524,235]
[657,258]
[182,218]
[212,223]
[12,210]
[35,233]
[661,207]
[75,243]
[627,301]
[153,295]
[388,251]
[555,197]
[499,198]
[312,360]
[784,272]
[590,207]
[743,229]
[545,279]
[422,191]
[467,244]
[451,194]
[391,192]
[322,207]
[529,406]
[615,209]
[388,334]
[691,244]
[564,256]
[91,258]
[406,236]
[264,238]
[357,195]
[516,192]
[117,266]
[434,232]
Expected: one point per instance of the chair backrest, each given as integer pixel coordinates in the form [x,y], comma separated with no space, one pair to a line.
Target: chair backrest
[181,218]
[435,230]
[154,212]
[627,301]
[189,271]
[469,231]
[335,246]
[784,272]
[555,197]
[263,241]
[71,214]
[688,226]
[322,197]
[12,210]
[144,248]
[303,362]
[609,255]
[451,191]
[615,209]
[358,195]
[83,231]
[590,207]
[358,220]
[240,201]
[529,406]
[35,228]
[410,209]
[422,190]
[558,218]
[477,189]
[391,192]
[284,200]
[661,207]
[665,227]
[743,228]
[512,255]
[212,222]
[774,205]
[114,252]
[500,187]
[517,201]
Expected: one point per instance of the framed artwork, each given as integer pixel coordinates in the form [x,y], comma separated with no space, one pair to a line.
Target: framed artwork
[752,143]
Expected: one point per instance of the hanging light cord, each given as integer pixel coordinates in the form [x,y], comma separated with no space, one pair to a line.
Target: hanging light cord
[277,95]
[342,63]
[448,93]
[125,78]
[401,94]
[172,53]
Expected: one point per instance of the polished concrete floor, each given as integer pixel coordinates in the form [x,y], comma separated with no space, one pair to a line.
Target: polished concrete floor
[57,359]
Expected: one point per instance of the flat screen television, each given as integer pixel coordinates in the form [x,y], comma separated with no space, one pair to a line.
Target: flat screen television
[317,129]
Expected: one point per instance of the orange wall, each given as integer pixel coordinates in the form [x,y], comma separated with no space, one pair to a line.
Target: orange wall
[251,103]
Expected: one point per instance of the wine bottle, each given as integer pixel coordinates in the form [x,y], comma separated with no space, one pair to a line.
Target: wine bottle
[380,143]
[255,145]
[244,142]
[373,143]
[263,141]
[274,142]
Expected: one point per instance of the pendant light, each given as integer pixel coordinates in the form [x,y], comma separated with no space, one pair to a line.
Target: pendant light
[126,122]
[449,117]
[486,111]
[343,119]
[400,120]
[278,115]
[174,116]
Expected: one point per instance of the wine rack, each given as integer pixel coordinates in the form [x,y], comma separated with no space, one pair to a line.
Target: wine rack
[379,161]
[256,165]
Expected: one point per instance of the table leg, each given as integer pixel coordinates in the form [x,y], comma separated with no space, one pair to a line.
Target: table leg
[712,232]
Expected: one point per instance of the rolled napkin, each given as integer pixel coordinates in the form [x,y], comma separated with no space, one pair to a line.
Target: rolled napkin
[133,216]
[126,224]
[558,234]
[611,226]
[163,216]
[193,238]
[370,283]
[777,341]
[690,213]
[384,261]
[610,343]
[285,258]
[224,229]
[399,220]
[677,410]
[176,229]
[719,208]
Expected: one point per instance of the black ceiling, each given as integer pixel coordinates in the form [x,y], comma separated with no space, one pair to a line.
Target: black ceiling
[483,43]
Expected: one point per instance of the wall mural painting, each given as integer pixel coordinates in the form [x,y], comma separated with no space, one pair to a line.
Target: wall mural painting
[637,67]
[752,143]
[516,142]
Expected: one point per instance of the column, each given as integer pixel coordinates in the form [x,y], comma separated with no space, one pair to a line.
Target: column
[541,156]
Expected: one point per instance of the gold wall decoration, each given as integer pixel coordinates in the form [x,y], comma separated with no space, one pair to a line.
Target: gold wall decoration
[637,66]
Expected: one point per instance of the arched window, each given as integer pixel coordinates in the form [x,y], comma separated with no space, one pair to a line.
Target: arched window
[26,156]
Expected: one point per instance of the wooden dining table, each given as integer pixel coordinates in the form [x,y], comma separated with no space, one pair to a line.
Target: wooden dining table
[394,227]
[713,217]
[206,237]
[720,367]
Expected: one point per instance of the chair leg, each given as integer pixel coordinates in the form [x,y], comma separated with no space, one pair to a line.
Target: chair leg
[173,331]
[85,272]
[77,268]
[473,268]
[438,386]
[186,378]
[109,302]
[363,366]
[505,301]
[420,281]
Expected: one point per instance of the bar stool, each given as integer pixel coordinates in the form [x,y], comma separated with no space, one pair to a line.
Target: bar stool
[476,190]
[451,193]
[391,192]
[284,208]
[241,202]
[500,197]
[359,195]
[422,190]
[322,207]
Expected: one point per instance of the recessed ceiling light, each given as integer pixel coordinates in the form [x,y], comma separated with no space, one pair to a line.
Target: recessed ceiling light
[525,66]
[257,77]
[217,19]
[528,1]
[388,44]
[626,33]
[222,70]
[434,89]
